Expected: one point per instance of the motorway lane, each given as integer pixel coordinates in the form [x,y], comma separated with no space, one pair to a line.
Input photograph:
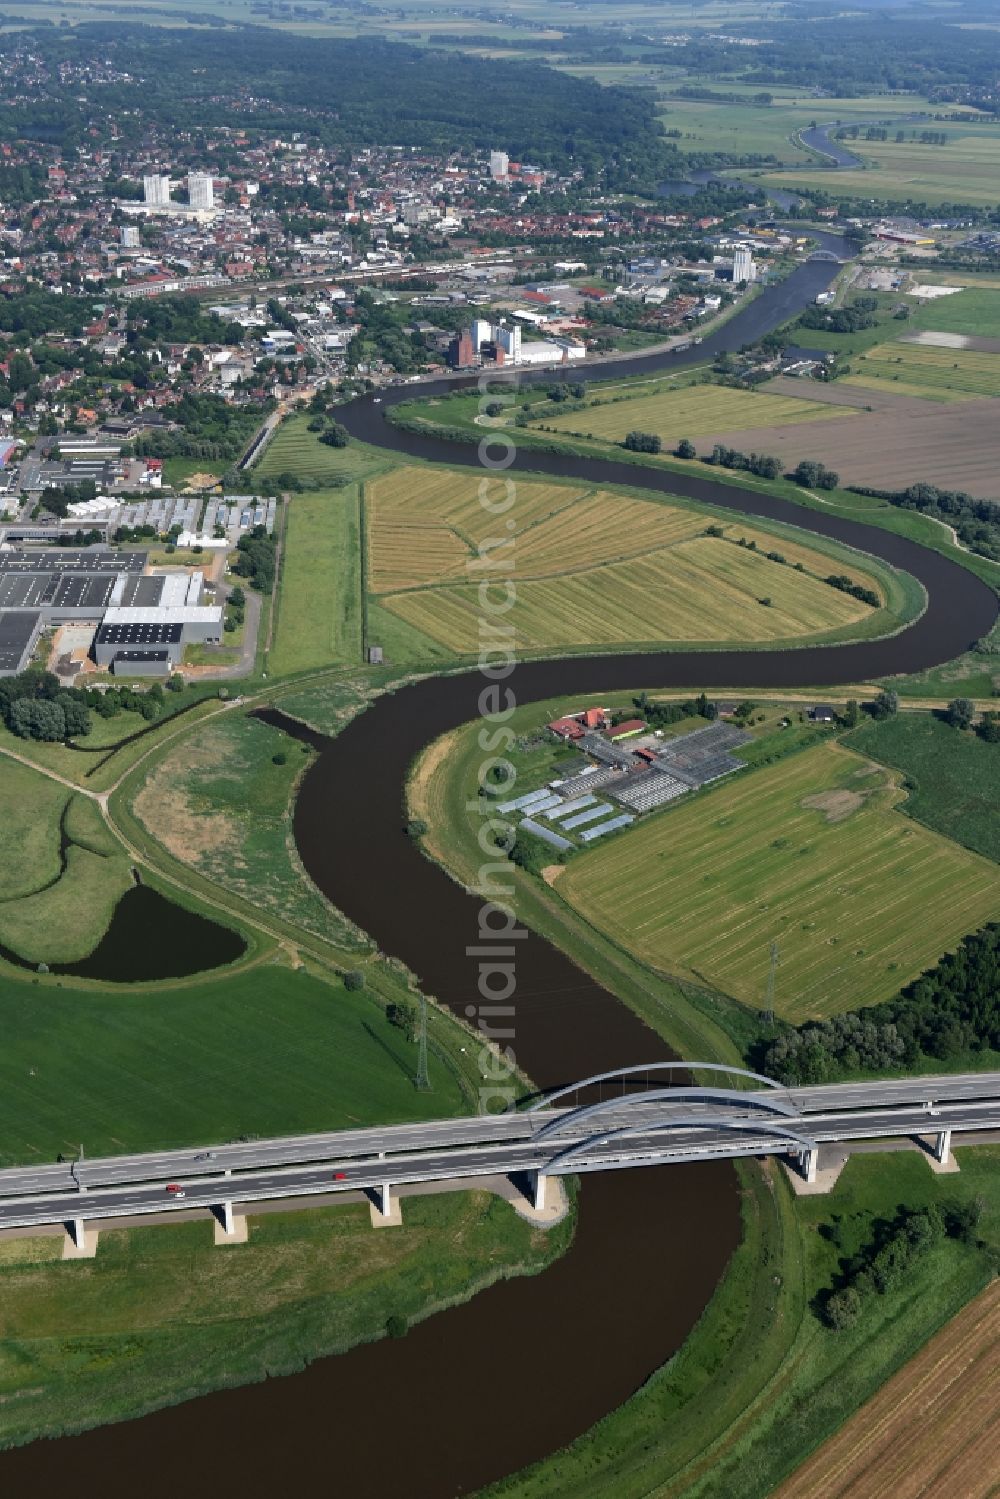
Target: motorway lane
[247,1156]
[692,1141]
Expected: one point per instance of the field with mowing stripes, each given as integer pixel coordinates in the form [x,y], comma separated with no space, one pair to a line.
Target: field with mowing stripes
[592,567]
[809,852]
[920,370]
[693,412]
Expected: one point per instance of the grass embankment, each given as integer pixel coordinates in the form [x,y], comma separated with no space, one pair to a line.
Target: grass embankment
[974,674]
[809,852]
[318,620]
[295,451]
[62,873]
[658,573]
[220,801]
[161,1316]
[261,1050]
[762,1381]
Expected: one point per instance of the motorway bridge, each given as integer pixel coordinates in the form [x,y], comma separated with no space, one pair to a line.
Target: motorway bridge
[644,1116]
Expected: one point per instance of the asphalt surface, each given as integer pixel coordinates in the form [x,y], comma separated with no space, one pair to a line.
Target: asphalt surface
[558,1140]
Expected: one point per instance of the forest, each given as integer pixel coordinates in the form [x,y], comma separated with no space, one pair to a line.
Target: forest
[852,55]
[356,92]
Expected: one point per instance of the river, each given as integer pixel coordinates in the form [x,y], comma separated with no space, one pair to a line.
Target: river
[483,1389]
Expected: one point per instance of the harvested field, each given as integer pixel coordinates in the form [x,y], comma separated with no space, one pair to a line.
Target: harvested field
[931,1430]
[701,589]
[592,567]
[953,444]
[436,495]
[964,371]
[693,411]
[872,386]
[704,888]
[847,393]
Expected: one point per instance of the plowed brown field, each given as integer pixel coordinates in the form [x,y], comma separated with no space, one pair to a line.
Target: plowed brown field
[932,1432]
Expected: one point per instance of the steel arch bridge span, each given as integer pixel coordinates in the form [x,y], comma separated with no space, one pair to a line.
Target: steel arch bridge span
[626,1072]
[633,1101]
[783,1139]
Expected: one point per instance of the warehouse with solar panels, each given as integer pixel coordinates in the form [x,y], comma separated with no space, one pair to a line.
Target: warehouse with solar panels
[142,622]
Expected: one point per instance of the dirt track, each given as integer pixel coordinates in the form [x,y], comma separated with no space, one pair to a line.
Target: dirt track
[931,1432]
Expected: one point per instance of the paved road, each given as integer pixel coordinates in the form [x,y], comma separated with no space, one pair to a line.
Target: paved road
[453,1148]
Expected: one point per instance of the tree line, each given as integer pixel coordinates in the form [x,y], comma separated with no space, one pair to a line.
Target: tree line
[976,522]
[949,1011]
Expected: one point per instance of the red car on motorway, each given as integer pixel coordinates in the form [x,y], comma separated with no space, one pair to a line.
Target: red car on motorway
[340,1176]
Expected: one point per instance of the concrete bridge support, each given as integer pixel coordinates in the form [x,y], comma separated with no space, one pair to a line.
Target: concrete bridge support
[230,1228]
[539,1183]
[942,1146]
[809,1161]
[80,1243]
[385,1209]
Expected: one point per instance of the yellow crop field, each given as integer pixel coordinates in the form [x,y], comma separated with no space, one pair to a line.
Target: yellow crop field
[592,567]
[476,505]
[799,552]
[811,853]
[695,411]
[406,553]
[701,589]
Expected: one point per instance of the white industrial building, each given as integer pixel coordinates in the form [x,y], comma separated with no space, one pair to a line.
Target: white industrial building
[499,165]
[482,333]
[744,266]
[509,339]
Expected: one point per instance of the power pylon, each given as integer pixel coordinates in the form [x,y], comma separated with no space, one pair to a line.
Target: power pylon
[422,1080]
[769,997]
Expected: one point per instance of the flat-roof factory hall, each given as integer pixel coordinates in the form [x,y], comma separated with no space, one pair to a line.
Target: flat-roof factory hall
[142,623]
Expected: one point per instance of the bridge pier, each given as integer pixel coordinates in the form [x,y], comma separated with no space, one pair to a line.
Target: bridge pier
[539,1183]
[809,1162]
[79,1244]
[230,1228]
[942,1146]
[386,1211]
